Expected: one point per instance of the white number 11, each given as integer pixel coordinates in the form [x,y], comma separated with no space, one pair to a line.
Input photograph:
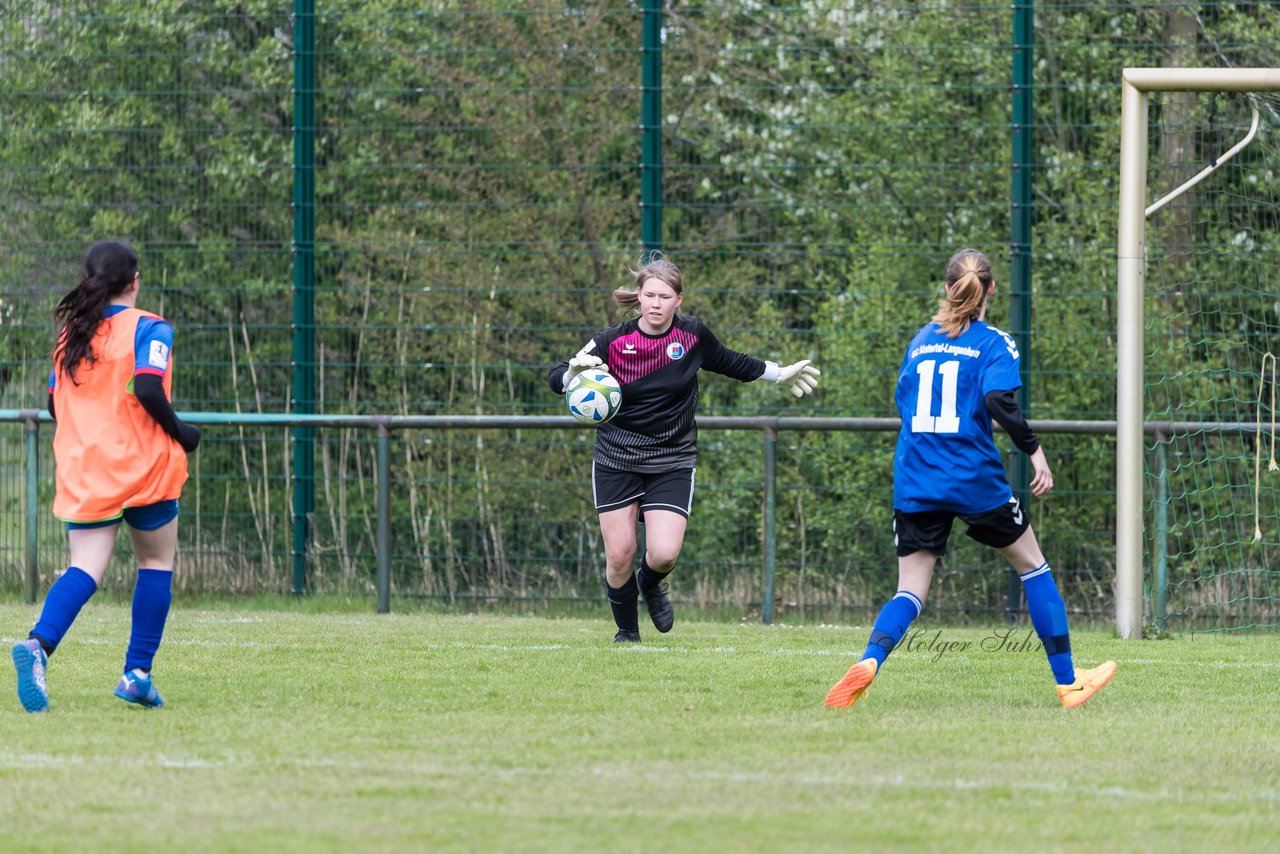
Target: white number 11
[947,421]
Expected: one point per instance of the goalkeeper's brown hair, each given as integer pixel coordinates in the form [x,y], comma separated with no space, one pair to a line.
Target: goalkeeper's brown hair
[968,283]
[657,267]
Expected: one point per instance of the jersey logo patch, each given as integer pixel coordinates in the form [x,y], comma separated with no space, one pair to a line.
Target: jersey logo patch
[1009,344]
[675,351]
[158,357]
[628,349]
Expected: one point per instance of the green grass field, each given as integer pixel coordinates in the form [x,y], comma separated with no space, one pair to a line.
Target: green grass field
[342,732]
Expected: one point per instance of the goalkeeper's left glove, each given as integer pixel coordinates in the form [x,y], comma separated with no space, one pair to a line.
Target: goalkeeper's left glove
[801,377]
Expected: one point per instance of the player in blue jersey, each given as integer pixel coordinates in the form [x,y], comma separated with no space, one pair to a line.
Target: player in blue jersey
[959,374]
[644,460]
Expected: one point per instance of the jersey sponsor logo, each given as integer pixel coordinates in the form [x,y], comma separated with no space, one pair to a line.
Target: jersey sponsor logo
[158,356]
[675,351]
[628,348]
[948,349]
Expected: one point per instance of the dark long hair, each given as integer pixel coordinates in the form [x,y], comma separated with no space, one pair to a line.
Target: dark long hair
[109,267]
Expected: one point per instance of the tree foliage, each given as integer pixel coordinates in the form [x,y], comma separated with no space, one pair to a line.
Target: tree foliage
[477,175]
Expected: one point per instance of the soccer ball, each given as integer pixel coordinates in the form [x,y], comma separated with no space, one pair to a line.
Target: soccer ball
[594,396]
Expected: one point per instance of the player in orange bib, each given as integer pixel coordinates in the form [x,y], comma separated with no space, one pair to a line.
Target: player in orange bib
[121,454]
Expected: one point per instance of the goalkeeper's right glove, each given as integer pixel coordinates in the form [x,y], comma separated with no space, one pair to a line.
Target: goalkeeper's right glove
[580,363]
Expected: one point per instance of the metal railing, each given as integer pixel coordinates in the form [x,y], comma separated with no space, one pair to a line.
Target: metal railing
[768,426]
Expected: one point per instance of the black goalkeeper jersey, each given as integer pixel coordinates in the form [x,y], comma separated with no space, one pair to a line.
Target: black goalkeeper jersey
[654,431]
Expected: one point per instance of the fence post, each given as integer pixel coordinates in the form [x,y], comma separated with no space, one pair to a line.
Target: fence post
[30,421]
[1161,534]
[770,519]
[384,517]
[304,280]
[651,127]
[1020,255]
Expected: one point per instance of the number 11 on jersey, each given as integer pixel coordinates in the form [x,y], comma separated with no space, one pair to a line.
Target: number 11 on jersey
[924,421]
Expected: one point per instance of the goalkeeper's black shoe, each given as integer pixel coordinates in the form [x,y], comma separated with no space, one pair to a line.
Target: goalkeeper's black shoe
[624,636]
[660,610]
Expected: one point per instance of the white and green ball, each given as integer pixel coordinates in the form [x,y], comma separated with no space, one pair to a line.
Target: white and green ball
[593,396]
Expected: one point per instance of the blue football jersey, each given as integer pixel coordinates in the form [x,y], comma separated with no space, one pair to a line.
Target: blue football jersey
[946,458]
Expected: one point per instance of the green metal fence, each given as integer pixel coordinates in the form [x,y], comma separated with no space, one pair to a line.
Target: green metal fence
[758,579]
[425,569]
[481,176]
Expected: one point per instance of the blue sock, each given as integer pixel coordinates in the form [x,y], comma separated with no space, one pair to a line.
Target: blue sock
[891,624]
[66,597]
[151,598]
[1049,618]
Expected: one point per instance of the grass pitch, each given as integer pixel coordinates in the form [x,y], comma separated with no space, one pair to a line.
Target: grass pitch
[341,732]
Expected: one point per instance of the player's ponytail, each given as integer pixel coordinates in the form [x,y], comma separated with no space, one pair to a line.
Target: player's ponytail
[657,267]
[109,267]
[968,280]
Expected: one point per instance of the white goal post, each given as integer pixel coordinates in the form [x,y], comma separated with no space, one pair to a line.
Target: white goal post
[1130,285]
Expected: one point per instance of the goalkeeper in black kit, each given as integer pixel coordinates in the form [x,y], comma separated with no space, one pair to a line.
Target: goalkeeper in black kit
[646,456]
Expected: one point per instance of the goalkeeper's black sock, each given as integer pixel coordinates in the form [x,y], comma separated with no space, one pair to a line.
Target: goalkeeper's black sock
[648,578]
[623,602]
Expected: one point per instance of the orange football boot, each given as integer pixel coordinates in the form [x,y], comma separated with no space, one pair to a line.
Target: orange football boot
[1088,683]
[852,685]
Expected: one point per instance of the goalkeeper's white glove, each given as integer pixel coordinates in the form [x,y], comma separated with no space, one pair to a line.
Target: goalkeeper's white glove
[801,377]
[580,363]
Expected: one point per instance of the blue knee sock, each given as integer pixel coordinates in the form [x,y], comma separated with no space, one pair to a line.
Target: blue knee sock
[1049,618]
[891,624]
[66,597]
[151,598]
